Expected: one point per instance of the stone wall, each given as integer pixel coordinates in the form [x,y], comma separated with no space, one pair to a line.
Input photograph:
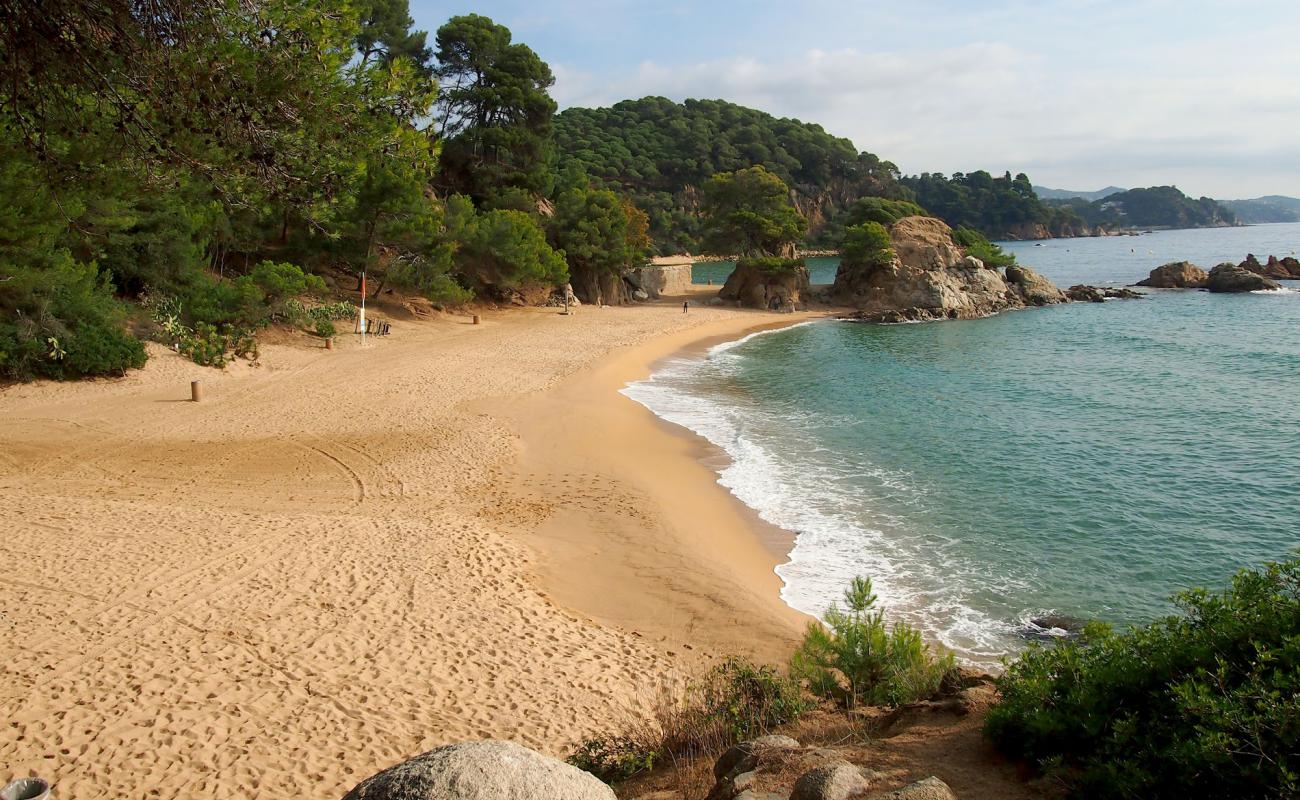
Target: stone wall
[664,276]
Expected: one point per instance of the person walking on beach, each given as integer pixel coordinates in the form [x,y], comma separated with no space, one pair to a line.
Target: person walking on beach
[686,306]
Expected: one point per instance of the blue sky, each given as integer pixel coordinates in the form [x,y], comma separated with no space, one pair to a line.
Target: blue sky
[1080,95]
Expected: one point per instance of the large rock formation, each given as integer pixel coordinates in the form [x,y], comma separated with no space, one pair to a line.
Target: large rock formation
[1283,269]
[1178,275]
[931,278]
[487,770]
[757,286]
[1236,278]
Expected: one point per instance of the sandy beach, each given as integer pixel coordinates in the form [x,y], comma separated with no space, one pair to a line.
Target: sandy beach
[342,558]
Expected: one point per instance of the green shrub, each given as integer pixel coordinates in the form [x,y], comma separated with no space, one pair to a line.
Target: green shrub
[332,311]
[279,281]
[325,329]
[881,211]
[101,350]
[1202,704]
[867,245]
[977,245]
[855,659]
[772,265]
[734,701]
[613,758]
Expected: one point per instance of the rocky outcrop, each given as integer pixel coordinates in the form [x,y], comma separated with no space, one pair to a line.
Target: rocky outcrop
[1282,269]
[931,278]
[1236,278]
[1081,293]
[1178,275]
[778,768]
[1034,289]
[487,770]
[602,289]
[757,286]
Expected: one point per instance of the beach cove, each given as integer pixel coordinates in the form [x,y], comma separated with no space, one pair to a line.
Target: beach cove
[343,558]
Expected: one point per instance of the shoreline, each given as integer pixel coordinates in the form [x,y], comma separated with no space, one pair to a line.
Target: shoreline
[674,478]
[342,558]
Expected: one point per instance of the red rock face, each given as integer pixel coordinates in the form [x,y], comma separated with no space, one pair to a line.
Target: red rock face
[1286,269]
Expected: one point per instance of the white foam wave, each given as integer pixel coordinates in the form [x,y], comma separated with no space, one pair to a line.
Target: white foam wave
[813,492]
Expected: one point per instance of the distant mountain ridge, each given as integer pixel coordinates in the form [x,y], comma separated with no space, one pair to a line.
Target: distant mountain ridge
[1152,207]
[1044,193]
[1270,208]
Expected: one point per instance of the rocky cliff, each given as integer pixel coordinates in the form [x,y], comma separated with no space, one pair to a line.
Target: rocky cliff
[930,277]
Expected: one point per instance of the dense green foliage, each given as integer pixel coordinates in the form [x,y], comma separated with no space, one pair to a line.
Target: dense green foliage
[1272,208]
[1156,207]
[660,153]
[866,244]
[1204,704]
[749,213]
[1000,208]
[976,244]
[171,151]
[856,659]
[494,114]
[733,702]
[599,232]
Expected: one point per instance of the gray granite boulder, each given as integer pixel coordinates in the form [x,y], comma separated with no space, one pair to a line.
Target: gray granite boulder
[830,782]
[929,789]
[487,770]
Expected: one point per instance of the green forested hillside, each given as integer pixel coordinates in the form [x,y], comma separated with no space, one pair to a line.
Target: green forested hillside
[1000,208]
[185,170]
[660,153]
[1154,207]
[1272,208]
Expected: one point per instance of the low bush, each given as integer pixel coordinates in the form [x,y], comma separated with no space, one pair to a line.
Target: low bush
[735,701]
[1201,704]
[855,659]
[325,329]
[977,245]
[772,265]
[867,245]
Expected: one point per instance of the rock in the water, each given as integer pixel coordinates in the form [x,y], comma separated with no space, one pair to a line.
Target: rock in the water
[930,278]
[1178,275]
[929,789]
[1053,626]
[744,756]
[755,286]
[487,770]
[1082,293]
[1285,269]
[1034,289]
[830,782]
[1236,278]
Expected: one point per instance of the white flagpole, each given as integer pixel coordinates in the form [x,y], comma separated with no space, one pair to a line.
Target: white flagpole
[363,308]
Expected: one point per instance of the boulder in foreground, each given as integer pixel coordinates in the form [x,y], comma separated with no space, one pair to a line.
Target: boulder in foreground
[1178,275]
[1236,278]
[929,789]
[487,770]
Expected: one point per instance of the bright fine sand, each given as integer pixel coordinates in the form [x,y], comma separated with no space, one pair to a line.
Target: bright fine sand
[343,558]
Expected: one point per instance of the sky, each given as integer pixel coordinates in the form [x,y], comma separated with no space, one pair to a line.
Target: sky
[1078,95]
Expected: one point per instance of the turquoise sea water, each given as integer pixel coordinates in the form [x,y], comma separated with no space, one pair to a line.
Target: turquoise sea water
[1088,459]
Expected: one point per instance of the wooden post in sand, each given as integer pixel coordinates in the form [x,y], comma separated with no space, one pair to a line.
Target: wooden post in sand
[196,391]
[329,343]
[476,319]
